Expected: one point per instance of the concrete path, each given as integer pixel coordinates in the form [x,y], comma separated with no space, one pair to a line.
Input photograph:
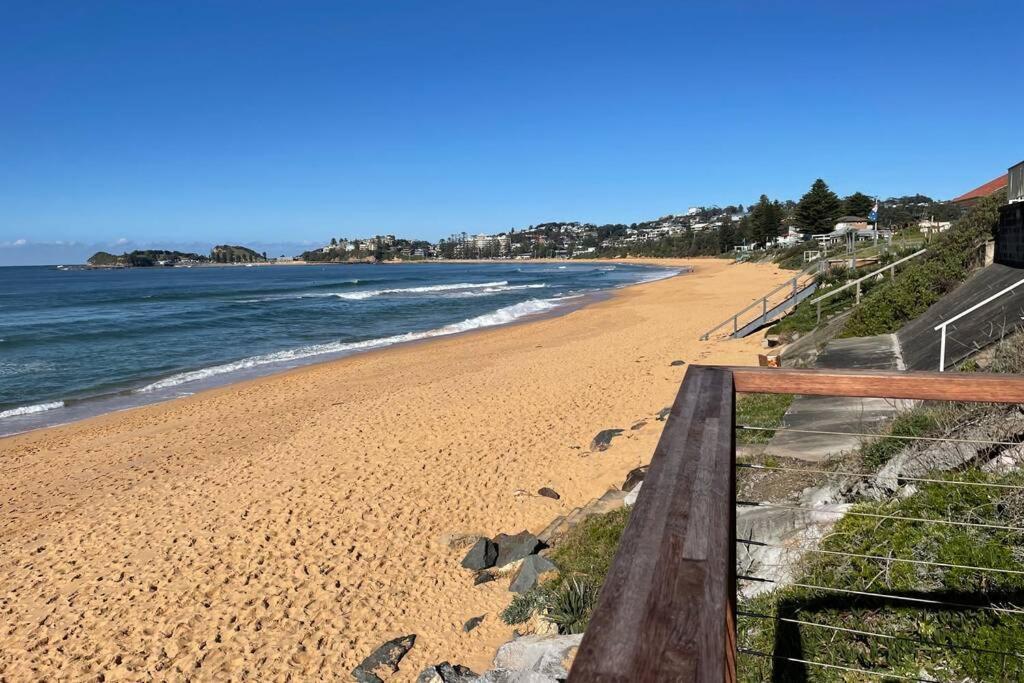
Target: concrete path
[831,414]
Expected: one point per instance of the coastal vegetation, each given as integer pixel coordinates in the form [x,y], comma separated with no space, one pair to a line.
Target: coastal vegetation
[950,259]
[934,642]
[583,558]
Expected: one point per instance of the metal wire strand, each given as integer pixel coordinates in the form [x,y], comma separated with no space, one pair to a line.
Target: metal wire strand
[897,518]
[875,475]
[888,636]
[780,658]
[887,596]
[879,436]
[840,553]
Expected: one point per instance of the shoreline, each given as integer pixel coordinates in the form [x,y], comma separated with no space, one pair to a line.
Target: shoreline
[294,522]
[73,410]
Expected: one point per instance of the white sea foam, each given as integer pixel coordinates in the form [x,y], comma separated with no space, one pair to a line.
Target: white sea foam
[499,317]
[28,410]
[367,293]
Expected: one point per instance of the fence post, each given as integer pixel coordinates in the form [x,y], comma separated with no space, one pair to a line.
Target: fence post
[858,291]
[942,351]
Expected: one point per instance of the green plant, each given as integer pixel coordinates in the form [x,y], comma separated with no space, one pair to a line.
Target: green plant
[921,283]
[571,603]
[522,607]
[919,421]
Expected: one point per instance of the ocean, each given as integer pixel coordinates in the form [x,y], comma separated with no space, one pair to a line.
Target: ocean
[76,343]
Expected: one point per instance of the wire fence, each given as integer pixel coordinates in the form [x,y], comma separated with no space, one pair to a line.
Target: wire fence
[858,600]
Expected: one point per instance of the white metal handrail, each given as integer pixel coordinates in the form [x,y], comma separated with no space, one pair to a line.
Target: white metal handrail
[946,323]
[856,283]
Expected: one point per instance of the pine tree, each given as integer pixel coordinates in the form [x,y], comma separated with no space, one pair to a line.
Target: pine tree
[858,204]
[765,221]
[818,210]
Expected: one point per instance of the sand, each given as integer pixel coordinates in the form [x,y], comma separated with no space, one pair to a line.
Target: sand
[285,527]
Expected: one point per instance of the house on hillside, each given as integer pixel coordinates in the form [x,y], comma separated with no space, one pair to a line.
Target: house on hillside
[969,199]
[847,223]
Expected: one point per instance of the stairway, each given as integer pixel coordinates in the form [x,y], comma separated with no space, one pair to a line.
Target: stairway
[768,308]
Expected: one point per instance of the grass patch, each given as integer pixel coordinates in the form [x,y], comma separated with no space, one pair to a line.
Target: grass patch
[972,628]
[760,410]
[919,421]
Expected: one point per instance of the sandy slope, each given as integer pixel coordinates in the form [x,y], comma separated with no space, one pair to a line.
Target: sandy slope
[287,526]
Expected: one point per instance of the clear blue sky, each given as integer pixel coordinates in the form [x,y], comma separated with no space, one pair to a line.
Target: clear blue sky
[198,122]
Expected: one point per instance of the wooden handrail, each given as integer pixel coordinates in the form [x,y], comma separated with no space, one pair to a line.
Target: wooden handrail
[931,386]
[667,608]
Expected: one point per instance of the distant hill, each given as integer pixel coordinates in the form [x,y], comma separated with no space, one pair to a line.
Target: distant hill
[226,253]
[144,258]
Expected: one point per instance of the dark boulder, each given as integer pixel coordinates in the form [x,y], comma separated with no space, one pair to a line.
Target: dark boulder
[515,547]
[472,623]
[677,363]
[481,556]
[384,659]
[548,493]
[447,673]
[534,569]
[603,439]
[634,477]
[483,577]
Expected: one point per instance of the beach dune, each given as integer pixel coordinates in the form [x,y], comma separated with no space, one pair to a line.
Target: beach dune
[287,526]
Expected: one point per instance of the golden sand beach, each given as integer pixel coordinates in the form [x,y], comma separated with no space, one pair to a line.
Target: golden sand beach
[283,528]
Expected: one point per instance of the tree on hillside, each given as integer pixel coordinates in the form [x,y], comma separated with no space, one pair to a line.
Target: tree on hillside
[818,210]
[858,204]
[764,222]
[727,237]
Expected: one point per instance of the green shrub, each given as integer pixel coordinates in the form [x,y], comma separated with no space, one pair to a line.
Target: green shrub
[571,603]
[583,558]
[921,283]
[522,607]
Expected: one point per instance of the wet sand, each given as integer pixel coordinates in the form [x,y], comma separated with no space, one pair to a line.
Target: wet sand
[286,526]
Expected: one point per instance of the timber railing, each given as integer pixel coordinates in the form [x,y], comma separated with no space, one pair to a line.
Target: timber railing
[668,607]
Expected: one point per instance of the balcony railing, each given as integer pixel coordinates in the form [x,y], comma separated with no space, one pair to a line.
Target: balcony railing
[668,608]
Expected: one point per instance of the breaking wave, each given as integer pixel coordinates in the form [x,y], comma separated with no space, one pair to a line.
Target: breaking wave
[28,410]
[501,316]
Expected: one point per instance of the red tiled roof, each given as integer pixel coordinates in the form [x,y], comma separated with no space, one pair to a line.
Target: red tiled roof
[985,190]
